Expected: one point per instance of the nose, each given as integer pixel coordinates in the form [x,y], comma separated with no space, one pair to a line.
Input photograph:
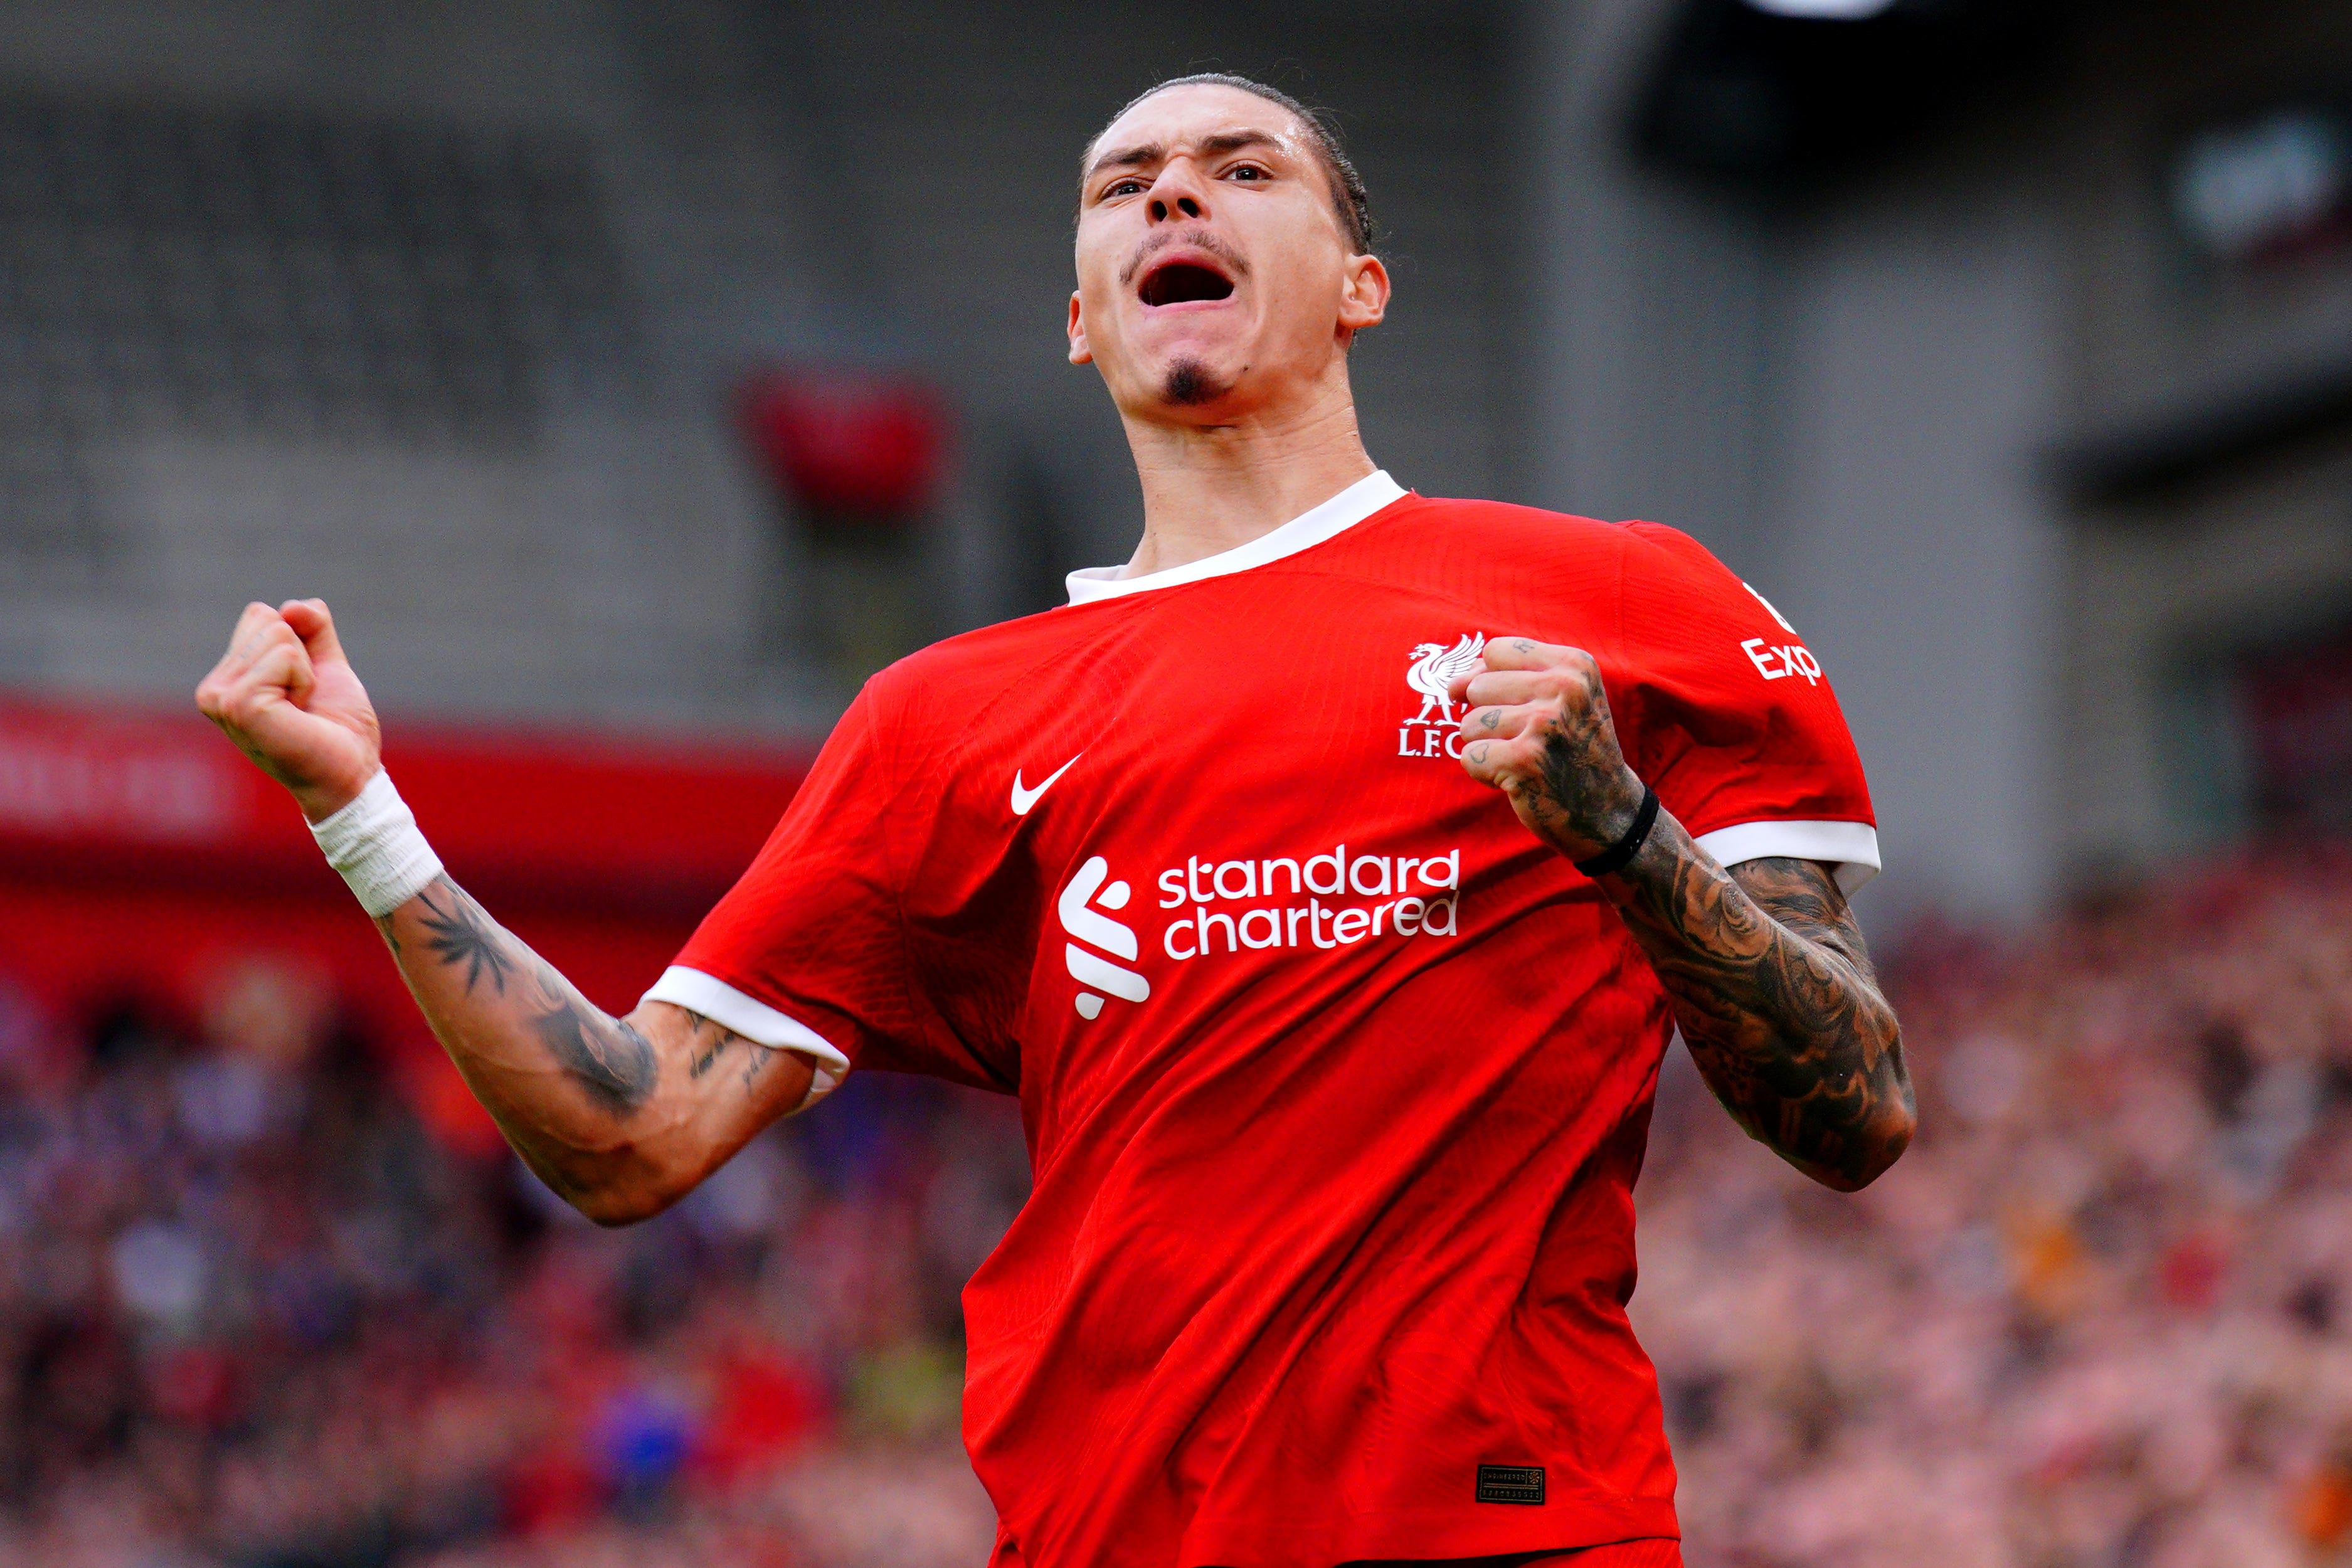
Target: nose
[1178,194]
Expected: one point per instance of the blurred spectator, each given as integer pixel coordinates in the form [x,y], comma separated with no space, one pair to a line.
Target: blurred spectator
[251,1314]
[2100,1314]
[2096,1316]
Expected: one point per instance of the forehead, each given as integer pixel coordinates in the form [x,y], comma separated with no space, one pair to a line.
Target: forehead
[1184,114]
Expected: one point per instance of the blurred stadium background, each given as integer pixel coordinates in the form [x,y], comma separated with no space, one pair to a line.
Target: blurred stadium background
[633,378]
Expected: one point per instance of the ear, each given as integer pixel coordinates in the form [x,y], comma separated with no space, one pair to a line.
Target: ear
[1079,353]
[1363,293]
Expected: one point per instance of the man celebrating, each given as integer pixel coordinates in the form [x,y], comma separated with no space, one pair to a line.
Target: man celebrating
[1336,1069]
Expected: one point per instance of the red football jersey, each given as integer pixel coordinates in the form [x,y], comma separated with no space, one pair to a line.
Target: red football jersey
[1335,1079]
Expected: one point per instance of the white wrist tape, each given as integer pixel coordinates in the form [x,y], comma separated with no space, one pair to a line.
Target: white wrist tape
[374,843]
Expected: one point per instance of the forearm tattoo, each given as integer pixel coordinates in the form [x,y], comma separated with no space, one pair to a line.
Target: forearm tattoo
[613,1063]
[1773,987]
[1764,966]
[461,933]
[711,1041]
[714,1040]
[606,1056]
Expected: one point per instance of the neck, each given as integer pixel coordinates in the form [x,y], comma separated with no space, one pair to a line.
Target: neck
[1208,489]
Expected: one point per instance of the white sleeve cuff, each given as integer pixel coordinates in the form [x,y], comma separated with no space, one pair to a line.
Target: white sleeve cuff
[755,1021]
[1851,846]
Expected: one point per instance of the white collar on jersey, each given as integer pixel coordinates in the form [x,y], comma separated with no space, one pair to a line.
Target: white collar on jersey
[1312,527]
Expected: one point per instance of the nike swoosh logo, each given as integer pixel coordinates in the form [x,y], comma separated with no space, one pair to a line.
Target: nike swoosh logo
[1023,799]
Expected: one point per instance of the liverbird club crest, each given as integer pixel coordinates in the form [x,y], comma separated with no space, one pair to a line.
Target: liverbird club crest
[1433,732]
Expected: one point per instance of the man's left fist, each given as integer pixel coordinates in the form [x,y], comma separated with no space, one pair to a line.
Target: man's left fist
[1539,731]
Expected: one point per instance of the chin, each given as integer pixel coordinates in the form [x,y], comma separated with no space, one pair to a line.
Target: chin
[1189,383]
[1188,375]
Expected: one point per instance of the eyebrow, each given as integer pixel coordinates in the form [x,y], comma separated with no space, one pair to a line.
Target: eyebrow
[1210,146]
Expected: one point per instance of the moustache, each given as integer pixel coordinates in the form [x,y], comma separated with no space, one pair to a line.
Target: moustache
[1199,239]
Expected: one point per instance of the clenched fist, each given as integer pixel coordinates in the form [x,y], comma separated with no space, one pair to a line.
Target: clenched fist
[285,693]
[1539,731]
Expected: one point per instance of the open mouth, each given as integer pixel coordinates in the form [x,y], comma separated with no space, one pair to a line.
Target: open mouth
[1180,281]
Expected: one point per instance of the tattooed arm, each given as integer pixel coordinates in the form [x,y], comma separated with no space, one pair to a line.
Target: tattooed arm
[621,1116]
[1763,963]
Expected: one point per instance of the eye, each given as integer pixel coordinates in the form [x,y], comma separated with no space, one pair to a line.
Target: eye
[1122,187]
[1245,171]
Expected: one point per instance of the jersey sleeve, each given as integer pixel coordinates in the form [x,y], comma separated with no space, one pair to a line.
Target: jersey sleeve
[1724,710]
[810,950]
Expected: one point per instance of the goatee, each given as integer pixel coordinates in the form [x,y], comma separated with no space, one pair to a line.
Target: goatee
[1188,384]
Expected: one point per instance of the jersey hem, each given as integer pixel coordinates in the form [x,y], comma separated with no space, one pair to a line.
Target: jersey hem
[1571,1524]
[746,1015]
[1851,846]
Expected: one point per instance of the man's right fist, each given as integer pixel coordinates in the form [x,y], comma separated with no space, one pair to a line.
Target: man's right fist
[285,693]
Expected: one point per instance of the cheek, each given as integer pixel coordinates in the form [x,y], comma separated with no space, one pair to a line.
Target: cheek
[1304,302]
[1100,246]
[1095,282]
[1096,316]
[1100,315]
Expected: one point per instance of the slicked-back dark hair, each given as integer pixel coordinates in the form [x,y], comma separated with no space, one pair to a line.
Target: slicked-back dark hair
[1348,197]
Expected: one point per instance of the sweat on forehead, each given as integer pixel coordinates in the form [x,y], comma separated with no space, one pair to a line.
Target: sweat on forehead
[1348,197]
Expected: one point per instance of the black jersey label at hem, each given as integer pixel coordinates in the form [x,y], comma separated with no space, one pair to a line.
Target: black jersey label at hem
[1511,1483]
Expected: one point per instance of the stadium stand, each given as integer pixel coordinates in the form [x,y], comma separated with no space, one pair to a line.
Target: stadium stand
[2098,1312]
[255,1313]
[290,273]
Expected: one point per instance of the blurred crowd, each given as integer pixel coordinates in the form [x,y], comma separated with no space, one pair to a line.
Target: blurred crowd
[253,1315]
[2099,1316]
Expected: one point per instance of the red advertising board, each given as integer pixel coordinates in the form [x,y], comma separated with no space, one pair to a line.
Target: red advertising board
[144,863]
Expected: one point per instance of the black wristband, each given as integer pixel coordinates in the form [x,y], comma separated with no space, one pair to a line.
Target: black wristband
[1618,855]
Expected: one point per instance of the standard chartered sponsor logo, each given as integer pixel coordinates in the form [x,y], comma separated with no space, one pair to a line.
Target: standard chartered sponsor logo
[1087,924]
[1333,899]
[1327,900]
